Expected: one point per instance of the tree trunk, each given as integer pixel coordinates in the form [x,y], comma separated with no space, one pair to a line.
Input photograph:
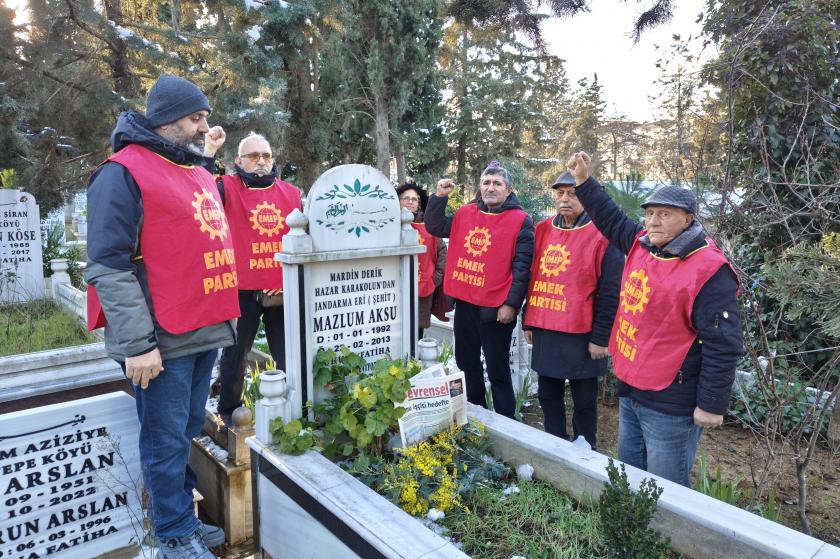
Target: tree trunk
[461,151]
[399,154]
[175,12]
[382,133]
[124,82]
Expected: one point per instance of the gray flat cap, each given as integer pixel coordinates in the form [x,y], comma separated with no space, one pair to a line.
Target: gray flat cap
[566,179]
[674,196]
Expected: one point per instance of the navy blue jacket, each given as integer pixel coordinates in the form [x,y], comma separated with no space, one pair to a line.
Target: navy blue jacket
[705,377]
[115,219]
[439,224]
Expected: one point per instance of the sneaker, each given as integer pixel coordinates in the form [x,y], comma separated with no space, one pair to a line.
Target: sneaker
[190,547]
[209,534]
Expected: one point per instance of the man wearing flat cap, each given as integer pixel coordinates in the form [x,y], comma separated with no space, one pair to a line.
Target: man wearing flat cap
[570,309]
[677,335]
[162,281]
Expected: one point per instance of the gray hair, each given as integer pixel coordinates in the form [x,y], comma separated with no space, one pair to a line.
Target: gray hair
[495,168]
[251,136]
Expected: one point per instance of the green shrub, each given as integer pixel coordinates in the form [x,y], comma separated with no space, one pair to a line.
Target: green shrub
[625,516]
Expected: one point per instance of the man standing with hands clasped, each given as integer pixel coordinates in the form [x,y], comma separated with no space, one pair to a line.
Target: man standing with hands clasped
[256,204]
[677,335]
[162,281]
[491,243]
[570,310]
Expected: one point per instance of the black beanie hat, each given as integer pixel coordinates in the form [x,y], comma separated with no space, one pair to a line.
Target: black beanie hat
[172,98]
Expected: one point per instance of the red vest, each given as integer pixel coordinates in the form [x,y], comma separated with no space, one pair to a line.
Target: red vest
[564,277]
[185,243]
[257,217]
[426,262]
[652,332]
[480,254]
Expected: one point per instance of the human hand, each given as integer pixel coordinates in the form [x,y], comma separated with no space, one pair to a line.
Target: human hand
[506,314]
[445,187]
[579,166]
[272,291]
[214,139]
[706,419]
[529,336]
[140,369]
[598,351]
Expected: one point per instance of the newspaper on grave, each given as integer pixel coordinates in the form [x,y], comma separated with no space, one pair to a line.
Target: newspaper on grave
[435,401]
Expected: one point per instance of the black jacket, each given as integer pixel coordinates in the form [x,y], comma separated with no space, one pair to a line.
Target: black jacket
[439,225]
[564,355]
[705,377]
[115,219]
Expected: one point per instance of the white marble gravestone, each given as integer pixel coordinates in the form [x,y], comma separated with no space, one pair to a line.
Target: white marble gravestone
[350,280]
[70,479]
[21,265]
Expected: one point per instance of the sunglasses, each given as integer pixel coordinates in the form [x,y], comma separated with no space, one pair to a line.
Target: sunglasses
[254,157]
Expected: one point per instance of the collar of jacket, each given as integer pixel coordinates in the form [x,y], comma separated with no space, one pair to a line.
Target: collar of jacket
[510,203]
[252,180]
[581,220]
[692,238]
[133,128]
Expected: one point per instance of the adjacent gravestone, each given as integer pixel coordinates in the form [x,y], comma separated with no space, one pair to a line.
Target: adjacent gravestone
[70,480]
[21,265]
[352,280]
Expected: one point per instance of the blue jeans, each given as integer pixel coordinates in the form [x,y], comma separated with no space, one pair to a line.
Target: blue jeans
[171,413]
[656,442]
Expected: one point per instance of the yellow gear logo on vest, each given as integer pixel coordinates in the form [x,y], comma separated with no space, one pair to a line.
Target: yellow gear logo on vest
[209,215]
[478,241]
[555,259]
[634,294]
[267,219]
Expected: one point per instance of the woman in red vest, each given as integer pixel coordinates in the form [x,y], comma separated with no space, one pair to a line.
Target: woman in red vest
[491,244]
[570,309]
[432,262]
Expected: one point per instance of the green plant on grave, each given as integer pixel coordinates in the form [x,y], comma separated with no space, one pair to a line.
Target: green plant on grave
[718,488]
[447,351]
[362,410]
[8,179]
[626,515]
[773,511]
[251,388]
[362,418]
[52,248]
[522,394]
[294,437]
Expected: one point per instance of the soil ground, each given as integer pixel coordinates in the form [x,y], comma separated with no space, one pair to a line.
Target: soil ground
[737,450]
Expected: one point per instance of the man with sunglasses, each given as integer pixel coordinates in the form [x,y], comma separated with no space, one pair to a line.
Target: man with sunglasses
[256,204]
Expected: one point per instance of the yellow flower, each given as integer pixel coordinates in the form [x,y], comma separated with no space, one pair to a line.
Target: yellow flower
[393,370]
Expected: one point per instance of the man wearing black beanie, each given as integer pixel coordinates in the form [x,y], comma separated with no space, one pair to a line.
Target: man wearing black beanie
[154,216]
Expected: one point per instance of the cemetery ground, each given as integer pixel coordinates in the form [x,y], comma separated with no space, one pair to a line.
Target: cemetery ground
[737,451]
[39,325]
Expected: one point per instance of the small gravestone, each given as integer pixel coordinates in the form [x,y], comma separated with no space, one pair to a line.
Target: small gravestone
[21,265]
[70,480]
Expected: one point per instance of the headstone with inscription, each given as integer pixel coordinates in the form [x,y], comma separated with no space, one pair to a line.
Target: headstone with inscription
[352,280]
[21,265]
[70,480]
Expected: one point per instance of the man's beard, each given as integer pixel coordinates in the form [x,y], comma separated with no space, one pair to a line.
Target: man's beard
[177,136]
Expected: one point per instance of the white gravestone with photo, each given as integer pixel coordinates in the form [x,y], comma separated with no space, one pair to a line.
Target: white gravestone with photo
[70,480]
[21,265]
[350,280]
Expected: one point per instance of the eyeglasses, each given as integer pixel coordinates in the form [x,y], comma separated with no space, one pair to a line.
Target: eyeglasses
[409,199]
[254,157]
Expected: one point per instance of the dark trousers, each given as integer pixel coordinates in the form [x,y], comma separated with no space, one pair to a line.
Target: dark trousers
[471,337]
[235,357]
[551,393]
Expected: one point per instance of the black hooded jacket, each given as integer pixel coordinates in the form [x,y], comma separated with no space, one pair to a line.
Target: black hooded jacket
[115,219]
[439,225]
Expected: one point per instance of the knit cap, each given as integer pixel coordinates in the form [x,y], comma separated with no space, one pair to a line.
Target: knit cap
[172,98]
